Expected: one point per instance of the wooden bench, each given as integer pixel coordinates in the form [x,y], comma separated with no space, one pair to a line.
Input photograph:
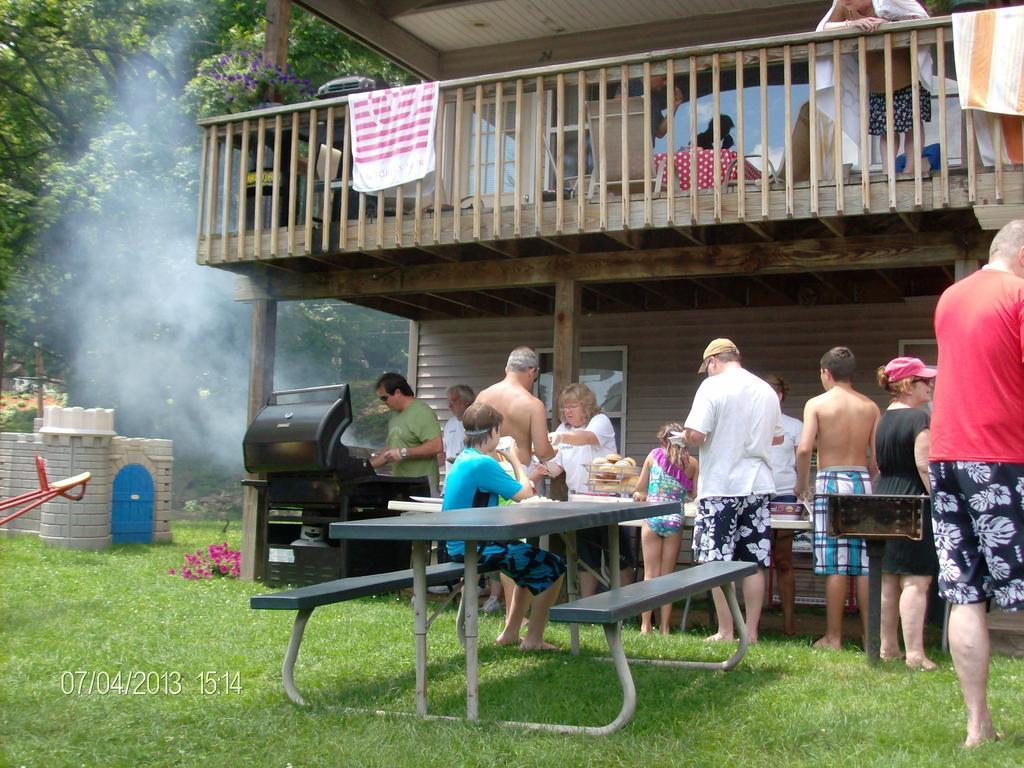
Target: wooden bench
[304,600]
[610,608]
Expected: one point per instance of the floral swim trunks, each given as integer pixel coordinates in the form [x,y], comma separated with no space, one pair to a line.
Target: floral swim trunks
[733,528]
[978,524]
[902,110]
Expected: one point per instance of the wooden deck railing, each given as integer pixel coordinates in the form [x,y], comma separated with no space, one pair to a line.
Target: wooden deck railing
[558,158]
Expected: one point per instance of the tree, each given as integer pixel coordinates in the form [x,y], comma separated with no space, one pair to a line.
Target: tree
[98,187]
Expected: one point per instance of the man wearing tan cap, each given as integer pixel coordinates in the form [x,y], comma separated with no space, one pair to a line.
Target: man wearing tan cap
[735,419]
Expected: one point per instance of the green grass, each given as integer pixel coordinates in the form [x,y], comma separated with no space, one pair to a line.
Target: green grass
[62,611]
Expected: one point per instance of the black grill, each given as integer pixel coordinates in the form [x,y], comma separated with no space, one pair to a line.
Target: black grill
[314,479]
[345,86]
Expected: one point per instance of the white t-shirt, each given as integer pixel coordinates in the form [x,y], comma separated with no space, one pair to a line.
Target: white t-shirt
[454,438]
[574,458]
[740,415]
[784,456]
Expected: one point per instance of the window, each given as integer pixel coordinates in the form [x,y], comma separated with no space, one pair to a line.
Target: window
[492,161]
[603,369]
[926,350]
[490,157]
[571,120]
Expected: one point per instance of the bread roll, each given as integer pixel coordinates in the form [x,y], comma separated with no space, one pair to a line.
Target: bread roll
[631,460]
[611,458]
[625,463]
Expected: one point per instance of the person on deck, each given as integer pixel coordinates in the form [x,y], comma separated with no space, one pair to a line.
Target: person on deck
[706,138]
[477,480]
[869,16]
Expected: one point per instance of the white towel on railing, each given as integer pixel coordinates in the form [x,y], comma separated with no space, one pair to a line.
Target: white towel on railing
[989,51]
[392,134]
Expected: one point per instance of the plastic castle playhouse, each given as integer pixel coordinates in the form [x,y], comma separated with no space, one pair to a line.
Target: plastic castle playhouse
[128,498]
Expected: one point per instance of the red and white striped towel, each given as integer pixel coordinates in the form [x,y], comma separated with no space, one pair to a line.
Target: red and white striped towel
[392,135]
[989,50]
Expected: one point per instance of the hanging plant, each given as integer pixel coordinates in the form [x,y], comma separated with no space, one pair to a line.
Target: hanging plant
[242,81]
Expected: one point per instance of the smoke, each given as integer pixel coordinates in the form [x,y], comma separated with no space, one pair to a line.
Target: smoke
[148,331]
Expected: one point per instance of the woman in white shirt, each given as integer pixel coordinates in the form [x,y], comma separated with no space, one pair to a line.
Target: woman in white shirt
[583,435]
[783,458]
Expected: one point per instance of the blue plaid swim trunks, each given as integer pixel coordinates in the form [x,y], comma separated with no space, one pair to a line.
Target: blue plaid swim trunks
[978,524]
[528,566]
[733,528]
[838,556]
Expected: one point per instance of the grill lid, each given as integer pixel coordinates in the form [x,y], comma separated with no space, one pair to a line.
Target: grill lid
[298,430]
[344,86]
[880,516]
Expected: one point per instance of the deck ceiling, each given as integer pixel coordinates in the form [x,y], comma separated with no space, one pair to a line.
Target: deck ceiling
[867,259]
[446,39]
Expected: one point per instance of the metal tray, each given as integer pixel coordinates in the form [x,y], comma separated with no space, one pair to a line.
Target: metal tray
[882,516]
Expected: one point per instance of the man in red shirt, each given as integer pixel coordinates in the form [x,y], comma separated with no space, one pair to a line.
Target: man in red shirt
[976,460]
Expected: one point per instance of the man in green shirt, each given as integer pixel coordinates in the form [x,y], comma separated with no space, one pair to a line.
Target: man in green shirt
[414,433]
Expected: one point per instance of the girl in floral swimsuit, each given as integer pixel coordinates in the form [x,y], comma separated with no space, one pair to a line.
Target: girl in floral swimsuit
[669,474]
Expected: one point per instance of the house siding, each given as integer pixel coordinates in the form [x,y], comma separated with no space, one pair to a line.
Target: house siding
[664,351]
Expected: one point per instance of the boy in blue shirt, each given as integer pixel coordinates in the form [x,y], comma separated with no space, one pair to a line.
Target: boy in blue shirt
[477,480]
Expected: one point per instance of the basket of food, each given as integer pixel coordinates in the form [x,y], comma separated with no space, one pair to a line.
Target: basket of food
[612,474]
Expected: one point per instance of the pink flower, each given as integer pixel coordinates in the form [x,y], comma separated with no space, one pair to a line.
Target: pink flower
[217,560]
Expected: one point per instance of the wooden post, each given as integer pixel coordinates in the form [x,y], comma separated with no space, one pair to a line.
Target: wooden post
[3,334]
[261,384]
[412,370]
[275,43]
[568,295]
[40,379]
[964,267]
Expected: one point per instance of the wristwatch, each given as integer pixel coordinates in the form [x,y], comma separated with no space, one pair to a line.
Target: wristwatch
[403,452]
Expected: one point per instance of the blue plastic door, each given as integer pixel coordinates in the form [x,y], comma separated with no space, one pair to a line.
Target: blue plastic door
[132,514]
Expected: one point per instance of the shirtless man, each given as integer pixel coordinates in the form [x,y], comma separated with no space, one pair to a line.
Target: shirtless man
[842,424]
[524,417]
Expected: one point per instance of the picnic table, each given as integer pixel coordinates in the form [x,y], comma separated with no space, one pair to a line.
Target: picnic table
[519,521]
[778,522]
